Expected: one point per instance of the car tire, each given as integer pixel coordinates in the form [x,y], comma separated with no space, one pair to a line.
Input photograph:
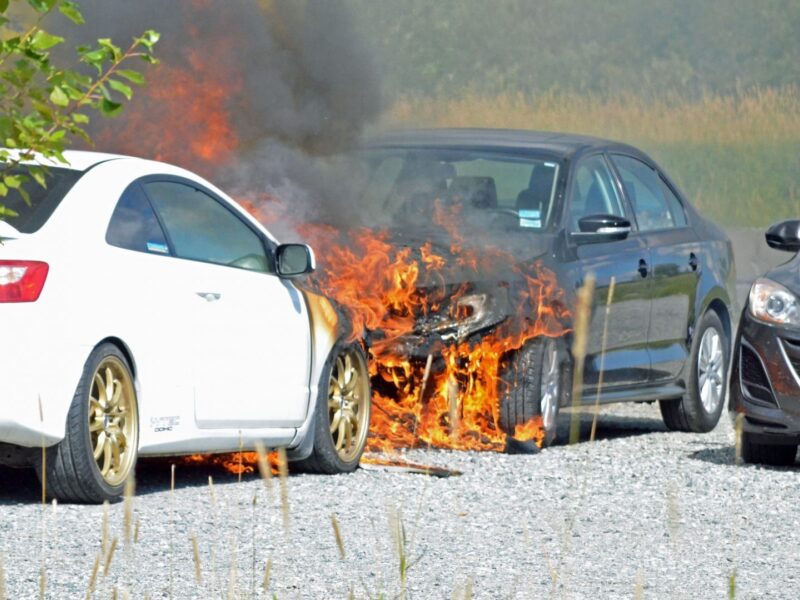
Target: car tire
[536,383]
[344,401]
[779,455]
[701,406]
[99,451]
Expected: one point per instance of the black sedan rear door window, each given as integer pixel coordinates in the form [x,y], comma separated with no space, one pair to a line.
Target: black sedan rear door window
[646,192]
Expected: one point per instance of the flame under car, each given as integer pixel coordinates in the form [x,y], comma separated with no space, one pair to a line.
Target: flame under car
[486,236]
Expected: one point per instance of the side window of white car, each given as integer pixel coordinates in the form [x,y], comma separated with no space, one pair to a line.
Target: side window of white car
[200,228]
[134,225]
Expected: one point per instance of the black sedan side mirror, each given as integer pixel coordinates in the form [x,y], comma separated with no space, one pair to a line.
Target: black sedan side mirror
[601,228]
[784,236]
[294,260]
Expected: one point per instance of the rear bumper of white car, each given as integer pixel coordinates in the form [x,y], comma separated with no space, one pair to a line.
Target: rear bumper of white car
[37,382]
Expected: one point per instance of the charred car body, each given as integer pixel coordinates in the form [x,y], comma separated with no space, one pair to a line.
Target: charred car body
[570,206]
[765,379]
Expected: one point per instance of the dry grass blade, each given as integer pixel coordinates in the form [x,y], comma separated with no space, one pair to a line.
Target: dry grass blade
[136,532]
[638,590]
[283,471]
[263,467]
[104,530]
[93,578]
[2,579]
[42,582]
[127,519]
[452,403]
[109,557]
[603,345]
[44,456]
[171,527]
[267,575]
[198,574]
[580,341]
[337,533]
[739,427]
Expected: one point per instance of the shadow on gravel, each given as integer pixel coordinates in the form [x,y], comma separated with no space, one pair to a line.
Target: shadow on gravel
[19,486]
[22,486]
[609,427]
[726,455]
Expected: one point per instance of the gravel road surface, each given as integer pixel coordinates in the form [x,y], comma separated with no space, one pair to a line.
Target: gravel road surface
[638,513]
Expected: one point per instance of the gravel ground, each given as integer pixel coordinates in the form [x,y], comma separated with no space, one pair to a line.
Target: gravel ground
[638,513]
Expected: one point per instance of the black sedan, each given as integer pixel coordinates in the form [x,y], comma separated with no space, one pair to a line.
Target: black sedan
[578,206]
[765,379]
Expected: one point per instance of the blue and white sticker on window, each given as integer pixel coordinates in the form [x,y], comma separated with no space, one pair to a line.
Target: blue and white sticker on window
[530,218]
[157,247]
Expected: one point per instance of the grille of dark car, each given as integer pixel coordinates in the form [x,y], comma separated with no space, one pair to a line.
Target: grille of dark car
[792,348]
[754,378]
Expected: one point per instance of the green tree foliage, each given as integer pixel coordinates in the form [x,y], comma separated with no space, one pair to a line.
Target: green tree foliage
[43,105]
[446,46]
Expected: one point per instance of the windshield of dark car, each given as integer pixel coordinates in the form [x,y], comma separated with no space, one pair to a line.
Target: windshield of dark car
[28,215]
[504,190]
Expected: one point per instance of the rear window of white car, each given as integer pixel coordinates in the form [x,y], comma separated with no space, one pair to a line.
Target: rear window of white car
[28,216]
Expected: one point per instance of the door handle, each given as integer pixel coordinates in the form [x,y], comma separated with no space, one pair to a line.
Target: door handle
[643,269]
[693,262]
[209,296]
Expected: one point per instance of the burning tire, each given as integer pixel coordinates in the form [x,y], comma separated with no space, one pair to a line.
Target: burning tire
[699,409]
[341,418]
[538,383]
[98,453]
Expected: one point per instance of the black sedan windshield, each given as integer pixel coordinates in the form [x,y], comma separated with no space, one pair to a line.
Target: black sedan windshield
[408,186]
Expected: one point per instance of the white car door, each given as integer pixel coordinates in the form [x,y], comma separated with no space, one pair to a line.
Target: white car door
[252,338]
[144,297]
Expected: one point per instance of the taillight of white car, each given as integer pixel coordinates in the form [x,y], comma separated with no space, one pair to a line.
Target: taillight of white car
[22,280]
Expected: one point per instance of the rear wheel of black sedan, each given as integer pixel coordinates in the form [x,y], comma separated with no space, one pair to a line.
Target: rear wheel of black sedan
[779,455]
[536,382]
[700,408]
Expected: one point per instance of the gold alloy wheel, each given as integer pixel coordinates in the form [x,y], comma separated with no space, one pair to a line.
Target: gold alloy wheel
[113,420]
[348,404]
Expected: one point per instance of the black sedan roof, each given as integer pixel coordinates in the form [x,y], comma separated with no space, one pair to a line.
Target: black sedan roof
[561,144]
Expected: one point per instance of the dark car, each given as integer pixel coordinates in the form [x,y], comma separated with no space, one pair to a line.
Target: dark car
[765,378]
[577,206]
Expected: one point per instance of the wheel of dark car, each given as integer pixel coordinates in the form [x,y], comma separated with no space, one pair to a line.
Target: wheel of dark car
[755,452]
[98,453]
[536,382]
[341,419]
[701,406]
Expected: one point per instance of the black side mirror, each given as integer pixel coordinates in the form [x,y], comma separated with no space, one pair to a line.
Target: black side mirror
[784,236]
[294,260]
[601,228]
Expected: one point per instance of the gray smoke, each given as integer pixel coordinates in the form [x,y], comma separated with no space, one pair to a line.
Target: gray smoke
[306,87]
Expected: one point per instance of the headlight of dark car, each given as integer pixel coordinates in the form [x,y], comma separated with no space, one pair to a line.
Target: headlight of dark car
[471,313]
[772,303]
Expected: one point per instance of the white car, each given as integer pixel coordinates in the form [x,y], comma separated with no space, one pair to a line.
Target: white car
[144,312]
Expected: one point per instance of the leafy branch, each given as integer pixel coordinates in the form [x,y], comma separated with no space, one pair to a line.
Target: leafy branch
[43,106]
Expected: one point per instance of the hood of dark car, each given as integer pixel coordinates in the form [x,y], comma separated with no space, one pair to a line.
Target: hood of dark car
[788,274]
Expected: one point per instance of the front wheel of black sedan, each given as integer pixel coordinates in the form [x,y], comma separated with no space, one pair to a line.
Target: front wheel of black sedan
[779,455]
[537,382]
[700,408]
[341,418]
